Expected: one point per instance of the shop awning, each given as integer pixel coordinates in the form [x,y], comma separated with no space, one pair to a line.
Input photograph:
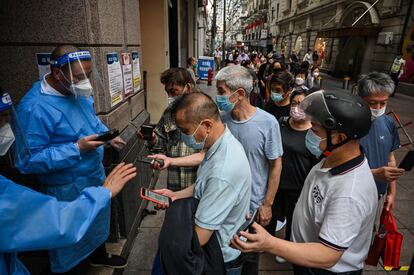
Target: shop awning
[349,31]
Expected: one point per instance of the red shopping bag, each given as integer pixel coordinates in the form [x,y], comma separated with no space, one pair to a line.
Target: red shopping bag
[378,246]
[393,244]
[387,242]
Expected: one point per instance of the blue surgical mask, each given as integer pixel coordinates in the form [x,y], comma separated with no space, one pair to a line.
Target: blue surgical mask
[276,97]
[191,142]
[224,104]
[312,142]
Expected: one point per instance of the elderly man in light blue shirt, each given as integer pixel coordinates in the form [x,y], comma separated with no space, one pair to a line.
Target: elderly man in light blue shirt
[223,183]
[259,133]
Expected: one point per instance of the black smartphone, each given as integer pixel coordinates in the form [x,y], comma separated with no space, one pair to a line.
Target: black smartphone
[108,135]
[150,195]
[150,160]
[408,162]
[146,131]
[246,225]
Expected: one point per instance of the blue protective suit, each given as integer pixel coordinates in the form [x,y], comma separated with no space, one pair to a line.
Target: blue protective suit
[53,124]
[32,221]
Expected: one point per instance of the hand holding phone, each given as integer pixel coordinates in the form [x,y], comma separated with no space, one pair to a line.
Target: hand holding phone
[150,160]
[248,223]
[107,136]
[147,131]
[408,162]
[155,197]
[88,143]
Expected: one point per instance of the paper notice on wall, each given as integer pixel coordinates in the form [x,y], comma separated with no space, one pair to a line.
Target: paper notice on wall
[114,78]
[43,63]
[136,71]
[127,73]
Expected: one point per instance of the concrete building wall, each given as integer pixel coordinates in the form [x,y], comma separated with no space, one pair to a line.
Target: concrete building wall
[101,26]
[155,53]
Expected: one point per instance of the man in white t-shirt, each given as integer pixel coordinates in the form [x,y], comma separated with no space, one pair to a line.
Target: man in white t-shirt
[308,58]
[333,218]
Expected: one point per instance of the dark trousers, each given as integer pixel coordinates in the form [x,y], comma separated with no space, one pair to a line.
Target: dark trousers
[300,270]
[250,264]
[283,207]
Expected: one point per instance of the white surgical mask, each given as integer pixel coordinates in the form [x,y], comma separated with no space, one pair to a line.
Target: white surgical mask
[6,139]
[299,81]
[82,88]
[171,100]
[315,74]
[376,113]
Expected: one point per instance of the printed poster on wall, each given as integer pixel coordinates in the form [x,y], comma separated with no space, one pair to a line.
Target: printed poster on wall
[127,73]
[136,71]
[205,63]
[43,63]
[114,78]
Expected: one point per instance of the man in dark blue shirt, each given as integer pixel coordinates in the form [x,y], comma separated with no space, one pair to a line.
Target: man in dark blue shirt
[382,139]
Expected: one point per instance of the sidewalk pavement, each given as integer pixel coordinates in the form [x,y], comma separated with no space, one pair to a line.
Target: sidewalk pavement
[146,242]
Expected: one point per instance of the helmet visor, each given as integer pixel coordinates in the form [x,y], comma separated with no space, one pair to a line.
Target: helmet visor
[316,109]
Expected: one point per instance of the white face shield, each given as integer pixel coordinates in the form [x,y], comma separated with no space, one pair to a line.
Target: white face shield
[76,69]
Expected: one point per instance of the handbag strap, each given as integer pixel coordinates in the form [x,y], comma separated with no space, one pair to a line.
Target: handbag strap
[392,226]
[385,218]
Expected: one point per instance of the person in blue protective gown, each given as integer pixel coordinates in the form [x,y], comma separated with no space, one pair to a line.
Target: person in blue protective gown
[61,127]
[30,220]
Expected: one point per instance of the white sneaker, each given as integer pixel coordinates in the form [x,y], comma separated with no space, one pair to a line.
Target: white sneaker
[280,225]
[280,260]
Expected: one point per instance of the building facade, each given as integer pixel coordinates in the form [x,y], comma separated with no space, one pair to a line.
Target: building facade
[255,29]
[350,37]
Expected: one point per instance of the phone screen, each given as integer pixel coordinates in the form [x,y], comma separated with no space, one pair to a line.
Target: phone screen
[248,223]
[408,162]
[155,196]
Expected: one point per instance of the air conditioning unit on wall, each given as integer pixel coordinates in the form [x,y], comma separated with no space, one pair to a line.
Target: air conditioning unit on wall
[385,38]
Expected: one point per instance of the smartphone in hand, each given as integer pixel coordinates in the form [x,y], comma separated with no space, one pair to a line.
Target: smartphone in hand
[146,131]
[150,160]
[107,136]
[154,197]
[408,162]
[248,223]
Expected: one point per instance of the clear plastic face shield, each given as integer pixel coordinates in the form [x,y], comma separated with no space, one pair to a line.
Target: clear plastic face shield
[316,109]
[76,69]
[12,139]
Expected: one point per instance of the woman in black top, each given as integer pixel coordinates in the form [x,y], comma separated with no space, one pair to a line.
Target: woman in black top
[297,162]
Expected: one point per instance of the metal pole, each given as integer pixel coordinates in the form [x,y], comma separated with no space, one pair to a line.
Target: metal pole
[224,34]
[397,118]
[213,26]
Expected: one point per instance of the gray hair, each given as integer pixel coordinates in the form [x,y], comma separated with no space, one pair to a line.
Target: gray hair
[236,77]
[375,82]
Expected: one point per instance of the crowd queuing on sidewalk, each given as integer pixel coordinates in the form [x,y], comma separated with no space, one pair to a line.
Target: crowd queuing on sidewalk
[321,163]
[272,148]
